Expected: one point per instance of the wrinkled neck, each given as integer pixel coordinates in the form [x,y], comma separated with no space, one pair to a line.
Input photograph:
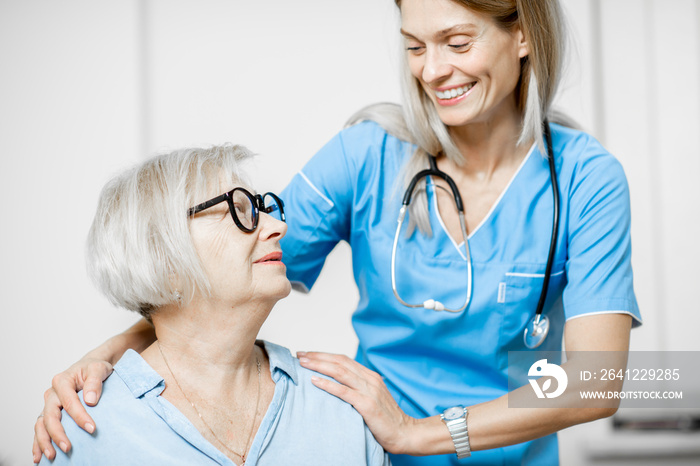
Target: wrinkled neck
[210,342]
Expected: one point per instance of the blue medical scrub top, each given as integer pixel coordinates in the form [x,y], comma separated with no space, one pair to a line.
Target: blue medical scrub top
[352,191]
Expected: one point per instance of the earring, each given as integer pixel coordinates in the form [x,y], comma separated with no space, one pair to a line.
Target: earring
[178,296]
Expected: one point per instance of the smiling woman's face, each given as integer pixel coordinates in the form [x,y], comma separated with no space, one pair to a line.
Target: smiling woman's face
[467,65]
[240,266]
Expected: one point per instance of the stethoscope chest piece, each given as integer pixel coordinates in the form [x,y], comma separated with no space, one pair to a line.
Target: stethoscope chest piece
[536,331]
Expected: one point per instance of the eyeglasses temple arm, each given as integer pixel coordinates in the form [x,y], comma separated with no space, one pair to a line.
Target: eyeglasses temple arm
[205,205]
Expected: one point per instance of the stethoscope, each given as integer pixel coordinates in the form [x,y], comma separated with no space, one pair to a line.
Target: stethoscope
[537,329]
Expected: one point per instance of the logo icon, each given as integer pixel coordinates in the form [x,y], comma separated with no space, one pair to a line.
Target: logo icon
[543,369]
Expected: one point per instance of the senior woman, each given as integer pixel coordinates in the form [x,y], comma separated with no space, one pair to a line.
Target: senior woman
[206,269]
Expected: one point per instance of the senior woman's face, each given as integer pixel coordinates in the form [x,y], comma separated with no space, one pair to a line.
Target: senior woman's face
[240,266]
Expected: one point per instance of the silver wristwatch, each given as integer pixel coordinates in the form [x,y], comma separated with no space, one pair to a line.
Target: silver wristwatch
[455,419]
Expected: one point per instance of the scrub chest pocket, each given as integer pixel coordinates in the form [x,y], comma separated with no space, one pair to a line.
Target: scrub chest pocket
[518,295]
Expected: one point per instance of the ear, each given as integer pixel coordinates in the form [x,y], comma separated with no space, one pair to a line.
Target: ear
[175,285]
[523,45]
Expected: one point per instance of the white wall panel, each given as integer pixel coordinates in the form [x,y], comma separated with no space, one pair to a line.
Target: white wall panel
[579,94]
[68,119]
[625,62]
[676,94]
[281,78]
[649,61]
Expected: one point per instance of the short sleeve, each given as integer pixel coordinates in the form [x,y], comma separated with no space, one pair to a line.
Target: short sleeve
[318,204]
[599,263]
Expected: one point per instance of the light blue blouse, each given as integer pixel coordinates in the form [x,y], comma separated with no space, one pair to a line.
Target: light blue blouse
[352,191]
[135,425]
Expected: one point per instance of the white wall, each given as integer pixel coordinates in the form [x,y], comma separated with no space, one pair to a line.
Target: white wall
[89,86]
[68,110]
[282,84]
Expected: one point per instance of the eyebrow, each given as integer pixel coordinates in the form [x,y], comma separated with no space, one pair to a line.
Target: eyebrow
[458,28]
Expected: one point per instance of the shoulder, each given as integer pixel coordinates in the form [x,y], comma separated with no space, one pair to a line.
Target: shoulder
[340,423]
[114,398]
[579,148]
[367,132]
[332,403]
[120,401]
[367,139]
[584,160]
[116,402]
[310,413]
[303,392]
[363,154]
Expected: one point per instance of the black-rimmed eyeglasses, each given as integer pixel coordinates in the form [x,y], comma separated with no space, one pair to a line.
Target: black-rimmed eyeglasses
[245,207]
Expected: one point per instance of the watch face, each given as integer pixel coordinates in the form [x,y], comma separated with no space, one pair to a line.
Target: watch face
[453,413]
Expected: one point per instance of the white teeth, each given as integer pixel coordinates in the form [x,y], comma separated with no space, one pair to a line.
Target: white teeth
[452,93]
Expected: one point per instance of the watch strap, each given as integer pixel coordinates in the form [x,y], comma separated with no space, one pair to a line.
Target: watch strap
[459,433]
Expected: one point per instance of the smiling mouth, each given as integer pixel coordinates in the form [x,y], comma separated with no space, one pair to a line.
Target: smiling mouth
[454,92]
[272,257]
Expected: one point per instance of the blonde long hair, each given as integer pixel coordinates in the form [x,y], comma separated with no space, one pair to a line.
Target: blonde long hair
[542,24]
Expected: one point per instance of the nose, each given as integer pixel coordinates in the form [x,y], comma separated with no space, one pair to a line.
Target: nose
[436,66]
[271,228]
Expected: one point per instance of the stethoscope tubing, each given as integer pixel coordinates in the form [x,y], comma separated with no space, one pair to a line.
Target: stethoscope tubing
[555,222]
[538,327]
[432,171]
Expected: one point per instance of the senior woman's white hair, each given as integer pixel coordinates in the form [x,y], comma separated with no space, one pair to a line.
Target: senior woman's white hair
[139,250]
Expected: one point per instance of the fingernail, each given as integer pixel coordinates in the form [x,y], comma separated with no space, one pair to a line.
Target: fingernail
[301,353]
[64,447]
[304,361]
[46,453]
[89,427]
[90,397]
[315,379]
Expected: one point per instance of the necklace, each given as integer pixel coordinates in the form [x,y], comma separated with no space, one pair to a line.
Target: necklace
[255,417]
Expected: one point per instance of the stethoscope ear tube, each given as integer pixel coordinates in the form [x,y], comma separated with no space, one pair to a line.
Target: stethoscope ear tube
[422,174]
[433,171]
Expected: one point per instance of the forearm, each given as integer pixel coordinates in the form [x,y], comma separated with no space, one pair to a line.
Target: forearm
[137,337]
[494,424]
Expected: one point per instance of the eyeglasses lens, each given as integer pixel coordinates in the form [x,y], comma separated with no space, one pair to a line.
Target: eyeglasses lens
[244,209]
[272,207]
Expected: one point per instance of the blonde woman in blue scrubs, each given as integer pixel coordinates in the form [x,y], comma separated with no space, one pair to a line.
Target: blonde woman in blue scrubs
[479,80]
